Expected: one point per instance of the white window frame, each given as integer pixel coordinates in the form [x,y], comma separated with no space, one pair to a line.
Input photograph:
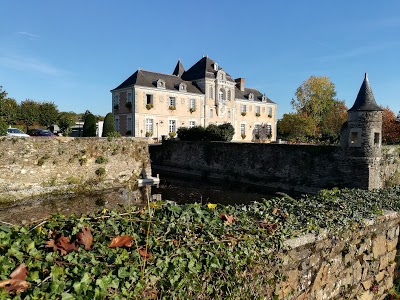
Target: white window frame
[192,103]
[211,112]
[150,125]
[243,108]
[258,109]
[172,101]
[171,126]
[242,128]
[192,124]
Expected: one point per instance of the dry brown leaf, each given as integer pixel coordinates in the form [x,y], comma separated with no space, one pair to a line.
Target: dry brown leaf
[120,241]
[275,210]
[85,237]
[51,244]
[14,285]
[144,254]
[228,219]
[64,245]
[271,227]
[19,273]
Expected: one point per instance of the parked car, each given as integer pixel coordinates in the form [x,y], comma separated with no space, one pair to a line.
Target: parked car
[16,132]
[40,132]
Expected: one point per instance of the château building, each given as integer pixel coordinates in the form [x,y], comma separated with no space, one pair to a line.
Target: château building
[150,104]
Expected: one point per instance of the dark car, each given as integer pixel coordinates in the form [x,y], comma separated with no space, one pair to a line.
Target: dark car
[40,132]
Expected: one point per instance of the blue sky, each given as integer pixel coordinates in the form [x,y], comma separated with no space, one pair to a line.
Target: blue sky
[74,52]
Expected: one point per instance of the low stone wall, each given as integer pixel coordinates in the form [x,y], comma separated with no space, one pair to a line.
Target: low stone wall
[357,265]
[39,166]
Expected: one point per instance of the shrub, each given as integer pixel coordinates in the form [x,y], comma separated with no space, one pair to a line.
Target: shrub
[89,127]
[100,172]
[172,134]
[223,132]
[257,136]
[108,126]
[243,136]
[101,160]
[149,106]
[172,107]
[258,114]
[149,133]
[269,116]
[192,110]
[243,113]
[3,128]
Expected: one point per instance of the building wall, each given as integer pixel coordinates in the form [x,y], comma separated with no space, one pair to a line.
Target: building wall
[207,112]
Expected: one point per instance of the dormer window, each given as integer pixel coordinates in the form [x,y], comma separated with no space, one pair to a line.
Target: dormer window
[221,76]
[182,87]
[215,67]
[251,96]
[264,98]
[160,84]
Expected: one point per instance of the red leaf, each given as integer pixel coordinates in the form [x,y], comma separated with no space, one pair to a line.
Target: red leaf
[144,254]
[120,241]
[20,272]
[85,237]
[228,219]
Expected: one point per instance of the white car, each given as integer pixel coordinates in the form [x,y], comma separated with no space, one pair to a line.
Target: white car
[16,132]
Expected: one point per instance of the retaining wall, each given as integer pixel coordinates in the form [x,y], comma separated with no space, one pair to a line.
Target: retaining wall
[38,166]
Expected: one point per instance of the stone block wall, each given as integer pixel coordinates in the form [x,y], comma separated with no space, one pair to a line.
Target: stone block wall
[357,265]
[38,166]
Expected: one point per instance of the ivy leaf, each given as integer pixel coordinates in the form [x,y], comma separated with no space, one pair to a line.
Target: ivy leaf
[120,241]
[85,237]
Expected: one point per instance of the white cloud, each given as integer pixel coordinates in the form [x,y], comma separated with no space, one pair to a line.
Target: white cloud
[31,36]
[27,64]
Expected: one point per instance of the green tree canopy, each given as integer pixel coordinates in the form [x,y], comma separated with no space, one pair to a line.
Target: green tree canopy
[296,127]
[89,127]
[108,126]
[66,120]
[28,113]
[8,111]
[48,113]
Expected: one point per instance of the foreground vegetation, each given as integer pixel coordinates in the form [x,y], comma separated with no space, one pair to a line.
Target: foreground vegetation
[173,251]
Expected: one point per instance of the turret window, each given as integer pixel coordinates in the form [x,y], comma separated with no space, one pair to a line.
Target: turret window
[355,137]
[376,139]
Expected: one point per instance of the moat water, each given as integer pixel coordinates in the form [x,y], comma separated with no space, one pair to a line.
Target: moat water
[170,188]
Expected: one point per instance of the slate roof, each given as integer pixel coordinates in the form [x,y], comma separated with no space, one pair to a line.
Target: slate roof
[245,95]
[179,69]
[204,68]
[149,79]
[365,100]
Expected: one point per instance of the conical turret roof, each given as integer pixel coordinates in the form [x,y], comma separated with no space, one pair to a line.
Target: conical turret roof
[179,69]
[365,99]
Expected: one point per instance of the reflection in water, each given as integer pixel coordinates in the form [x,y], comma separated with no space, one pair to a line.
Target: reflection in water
[173,189]
[36,209]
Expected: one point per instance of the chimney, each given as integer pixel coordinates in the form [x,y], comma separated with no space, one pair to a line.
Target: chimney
[240,83]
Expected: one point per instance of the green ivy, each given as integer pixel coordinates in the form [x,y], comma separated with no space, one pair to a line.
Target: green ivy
[195,253]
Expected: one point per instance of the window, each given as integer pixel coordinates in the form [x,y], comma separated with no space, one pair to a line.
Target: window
[257,128]
[192,124]
[211,92]
[149,99]
[172,126]
[182,87]
[242,108]
[354,138]
[258,110]
[270,112]
[229,95]
[242,128]
[221,76]
[149,125]
[129,124]
[192,103]
[116,100]
[161,83]
[116,124]
[251,96]
[268,130]
[211,113]
[376,138]
[129,98]
[264,98]
[215,67]
[220,95]
[172,101]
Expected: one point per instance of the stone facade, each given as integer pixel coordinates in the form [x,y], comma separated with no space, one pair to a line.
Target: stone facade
[38,166]
[359,264]
[153,105]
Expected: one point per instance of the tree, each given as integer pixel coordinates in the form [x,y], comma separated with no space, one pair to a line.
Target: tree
[66,120]
[390,128]
[48,113]
[28,113]
[315,100]
[108,126]
[8,110]
[296,127]
[89,127]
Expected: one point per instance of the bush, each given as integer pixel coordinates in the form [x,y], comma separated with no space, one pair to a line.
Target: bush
[108,126]
[213,132]
[101,160]
[3,128]
[100,172]
[89,127]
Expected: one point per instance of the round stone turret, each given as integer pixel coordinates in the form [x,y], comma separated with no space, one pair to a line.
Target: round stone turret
[363,134]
